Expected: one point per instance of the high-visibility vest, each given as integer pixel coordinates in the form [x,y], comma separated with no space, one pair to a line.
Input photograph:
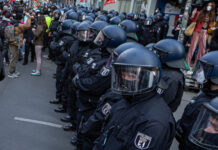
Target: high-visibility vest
[48,21]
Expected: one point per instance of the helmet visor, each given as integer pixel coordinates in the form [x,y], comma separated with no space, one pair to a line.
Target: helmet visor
[101,40]
[130,80]
[83,36]
[202,72]
[205,130]
[147,22]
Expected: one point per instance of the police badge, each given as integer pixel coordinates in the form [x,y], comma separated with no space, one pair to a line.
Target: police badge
[142,141]
[104,71]
[106,109]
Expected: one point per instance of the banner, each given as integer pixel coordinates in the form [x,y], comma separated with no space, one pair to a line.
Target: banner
[109,2]
[35,4]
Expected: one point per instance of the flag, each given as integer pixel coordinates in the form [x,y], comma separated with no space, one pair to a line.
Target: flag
[109,2]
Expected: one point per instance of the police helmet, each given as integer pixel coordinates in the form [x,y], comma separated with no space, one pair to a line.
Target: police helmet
[130,16]
[110,36]
[204,133]
[148,21]
[89,18]
[124,47]
[171,52]
[209,64]
[159,16]
[95,27]
[115,20]
[65,9]
[101,18]
[66,26]
[91,15]
[109,16]
[129,26]
[122,16]
[57,14]
[136,71]
[82,31]
[73,16]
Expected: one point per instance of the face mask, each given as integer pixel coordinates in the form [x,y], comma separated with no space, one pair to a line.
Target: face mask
[209,8]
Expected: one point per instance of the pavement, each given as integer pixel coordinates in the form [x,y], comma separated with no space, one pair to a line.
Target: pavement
[28,120]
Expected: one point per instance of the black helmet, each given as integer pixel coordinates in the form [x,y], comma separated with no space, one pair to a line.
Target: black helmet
[89,18]
[101,18]
[136,16]
[129,26]
[109,16]
[110,36]
[65,9]
[122,16]
[115,20]
[73,16]
[130,16]
[57,14]
[95,27]
[150,46]
[82,16]
[204,133]
[148,21]
[171,52]
[66,26]
[136,71]
[91,15]
[82,31]
[209,64]
[124,47]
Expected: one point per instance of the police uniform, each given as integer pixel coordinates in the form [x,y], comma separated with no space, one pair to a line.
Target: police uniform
[185,124]
[134,124]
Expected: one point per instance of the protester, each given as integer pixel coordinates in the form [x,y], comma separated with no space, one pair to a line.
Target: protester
[38,41]
[203,19]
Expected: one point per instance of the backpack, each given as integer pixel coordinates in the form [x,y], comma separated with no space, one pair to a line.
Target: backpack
[9,33]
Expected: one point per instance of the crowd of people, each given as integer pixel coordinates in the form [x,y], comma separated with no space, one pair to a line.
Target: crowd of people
[119,78]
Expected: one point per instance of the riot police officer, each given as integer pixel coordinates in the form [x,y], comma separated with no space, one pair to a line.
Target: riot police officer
[131,28]
[141,120]
[96,81]
[171,87]
[92,127]
[165,23]
[204,134]
[62,44]
[53,31]
[148,32]
[209,78]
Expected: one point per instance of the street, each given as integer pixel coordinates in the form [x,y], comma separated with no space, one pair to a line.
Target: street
[28,120]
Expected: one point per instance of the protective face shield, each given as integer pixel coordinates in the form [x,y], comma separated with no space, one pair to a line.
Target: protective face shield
[101,40]
[209,8]
[83,36]
[130,80]
[202,72]
[148,22]
[92,34]
[204,133]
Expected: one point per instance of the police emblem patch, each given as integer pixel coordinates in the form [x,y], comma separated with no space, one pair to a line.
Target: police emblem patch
[93,65]
[106,109]
[105,71]
[160,91]
[142,141]
[89,61]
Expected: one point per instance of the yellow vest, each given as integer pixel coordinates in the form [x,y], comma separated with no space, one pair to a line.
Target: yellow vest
[48,21]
